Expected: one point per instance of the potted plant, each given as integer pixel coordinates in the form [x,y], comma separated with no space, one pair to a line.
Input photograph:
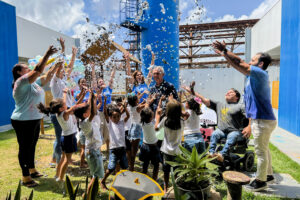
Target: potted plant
[193,177]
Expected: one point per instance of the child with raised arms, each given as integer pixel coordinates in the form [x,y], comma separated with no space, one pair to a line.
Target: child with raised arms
[173,126]
[68,123]
[89,122]
[116,127]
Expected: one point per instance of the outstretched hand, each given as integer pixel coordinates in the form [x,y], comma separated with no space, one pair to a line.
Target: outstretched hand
[62,43]
[219,47]
[192,86]
[51,50]
[74,50]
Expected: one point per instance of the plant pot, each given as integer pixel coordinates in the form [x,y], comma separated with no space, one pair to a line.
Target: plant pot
[195,194]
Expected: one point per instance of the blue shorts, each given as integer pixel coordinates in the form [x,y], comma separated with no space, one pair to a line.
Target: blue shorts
[69,143]
[194,139]
[135,132]
[117,155]
[95,162]
[150,153]
[81,138]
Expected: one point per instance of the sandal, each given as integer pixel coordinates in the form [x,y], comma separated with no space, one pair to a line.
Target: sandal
[36,175]
[29,184]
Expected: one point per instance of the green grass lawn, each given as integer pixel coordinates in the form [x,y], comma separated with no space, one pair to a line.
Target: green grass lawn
[10,172]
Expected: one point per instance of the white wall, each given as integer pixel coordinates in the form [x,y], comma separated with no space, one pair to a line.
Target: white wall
[34,39]
[266,34]
[213,83]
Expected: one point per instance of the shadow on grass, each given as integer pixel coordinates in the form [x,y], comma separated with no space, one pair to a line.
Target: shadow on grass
[50,184]
[7,135]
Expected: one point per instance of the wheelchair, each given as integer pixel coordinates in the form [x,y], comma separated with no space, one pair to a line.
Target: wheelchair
[239,157]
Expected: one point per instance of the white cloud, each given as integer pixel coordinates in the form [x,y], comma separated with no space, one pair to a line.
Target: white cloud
[55,14]
[257,13]
[262,9]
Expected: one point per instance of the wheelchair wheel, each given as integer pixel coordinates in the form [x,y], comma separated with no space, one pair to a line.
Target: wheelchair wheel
[248,161]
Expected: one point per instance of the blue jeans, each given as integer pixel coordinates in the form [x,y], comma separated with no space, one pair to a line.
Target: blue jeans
[95,162]
[232,138]
[192,140]
[57,143]
[117,155]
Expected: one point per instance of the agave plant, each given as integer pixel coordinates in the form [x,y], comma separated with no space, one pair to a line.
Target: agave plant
[73,192]
[70,188]
[191,167]
[176,191]
[18,194]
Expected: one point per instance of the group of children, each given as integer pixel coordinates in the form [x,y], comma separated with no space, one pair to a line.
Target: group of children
[126,125]
[124,134]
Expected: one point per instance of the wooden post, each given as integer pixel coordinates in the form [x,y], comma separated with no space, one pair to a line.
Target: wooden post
[42,127]
[234,181]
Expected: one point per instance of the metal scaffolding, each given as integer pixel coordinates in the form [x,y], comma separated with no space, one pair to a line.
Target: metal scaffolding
[129,11]
[196,39]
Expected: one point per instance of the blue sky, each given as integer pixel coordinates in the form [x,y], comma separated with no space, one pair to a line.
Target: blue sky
[235,7]
[69,16]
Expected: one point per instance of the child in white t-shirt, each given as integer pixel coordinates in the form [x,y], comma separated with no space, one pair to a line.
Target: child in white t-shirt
[149,151]
[173,126]
[90,127]
[68,123]
[135,131]
[116,128]
[192,134]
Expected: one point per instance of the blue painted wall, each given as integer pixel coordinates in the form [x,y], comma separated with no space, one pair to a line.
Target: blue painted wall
[8,58]
[161,31]
[289,89]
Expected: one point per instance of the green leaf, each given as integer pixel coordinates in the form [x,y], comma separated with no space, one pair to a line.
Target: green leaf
[174,164]
[186,196]
[86,183]
[183,172]
[76,190]
[18,192]
[175,188]
[204,161]
[8,197]
[69,188]
[31,195]
[186,152]
[194,156]
[95,189]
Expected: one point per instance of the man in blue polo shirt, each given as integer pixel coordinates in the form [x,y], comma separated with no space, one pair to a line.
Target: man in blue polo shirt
[258,109]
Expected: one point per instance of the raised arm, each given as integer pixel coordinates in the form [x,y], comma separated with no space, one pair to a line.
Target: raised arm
[71,64]
[234,60]
[94,80]
[48,76]
[112,76]
[68,112]
[203,99]
[39,68]
[128,68]
[81,96]
[126,111]
[150,74]
[93,106]
[157,118]
[62,44]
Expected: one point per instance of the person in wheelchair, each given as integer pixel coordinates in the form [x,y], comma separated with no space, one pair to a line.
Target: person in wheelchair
[230,125]
[230,117]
